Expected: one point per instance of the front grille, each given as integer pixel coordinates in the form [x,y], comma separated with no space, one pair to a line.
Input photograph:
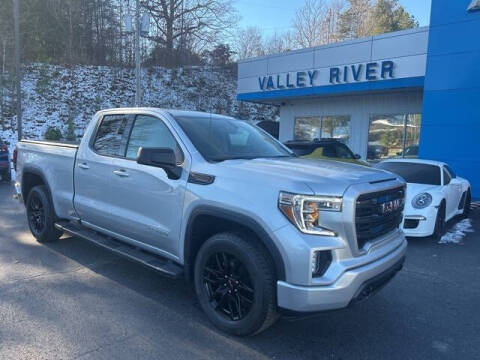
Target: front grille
[377,215]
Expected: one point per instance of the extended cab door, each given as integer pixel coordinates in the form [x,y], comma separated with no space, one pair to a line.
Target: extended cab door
[94,169]
[147,206]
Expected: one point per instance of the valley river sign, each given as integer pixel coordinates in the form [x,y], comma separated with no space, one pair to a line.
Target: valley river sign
[335,75]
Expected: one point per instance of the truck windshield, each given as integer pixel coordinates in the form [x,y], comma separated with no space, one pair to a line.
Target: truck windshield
[220,138]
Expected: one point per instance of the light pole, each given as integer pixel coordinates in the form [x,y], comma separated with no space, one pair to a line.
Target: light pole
[138,73]
[17,69]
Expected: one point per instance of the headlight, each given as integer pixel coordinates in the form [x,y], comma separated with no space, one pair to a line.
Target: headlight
[422,200]
[304,211]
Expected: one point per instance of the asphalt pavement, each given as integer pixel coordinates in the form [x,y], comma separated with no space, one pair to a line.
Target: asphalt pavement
[73,300]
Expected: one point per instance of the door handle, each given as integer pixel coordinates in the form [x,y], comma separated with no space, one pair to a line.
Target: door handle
[121,173]
[83,166]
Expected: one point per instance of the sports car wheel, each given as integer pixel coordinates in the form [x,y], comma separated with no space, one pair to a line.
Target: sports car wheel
[466,205]
[440,224]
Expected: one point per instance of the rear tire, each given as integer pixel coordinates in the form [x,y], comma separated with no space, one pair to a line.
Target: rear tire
[440,224]
[235,284]
[41,216]
[466,205]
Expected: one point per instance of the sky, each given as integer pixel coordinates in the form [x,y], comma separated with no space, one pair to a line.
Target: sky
[277,15]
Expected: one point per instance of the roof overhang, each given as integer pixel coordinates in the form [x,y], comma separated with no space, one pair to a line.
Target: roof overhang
[340,89]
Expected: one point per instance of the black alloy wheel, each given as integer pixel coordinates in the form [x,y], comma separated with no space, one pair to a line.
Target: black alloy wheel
[235,283]
[36,214]
[228,285]
[41,215]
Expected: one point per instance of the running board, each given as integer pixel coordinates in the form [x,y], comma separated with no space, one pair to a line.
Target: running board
[163,266]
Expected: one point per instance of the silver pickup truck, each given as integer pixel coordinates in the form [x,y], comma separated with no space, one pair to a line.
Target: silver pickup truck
[258,231]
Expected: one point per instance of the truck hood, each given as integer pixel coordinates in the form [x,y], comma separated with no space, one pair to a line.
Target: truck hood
[323,177]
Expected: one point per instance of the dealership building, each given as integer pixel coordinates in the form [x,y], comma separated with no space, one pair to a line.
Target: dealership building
[409,93]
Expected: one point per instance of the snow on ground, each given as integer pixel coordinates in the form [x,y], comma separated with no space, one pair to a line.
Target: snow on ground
[456,234]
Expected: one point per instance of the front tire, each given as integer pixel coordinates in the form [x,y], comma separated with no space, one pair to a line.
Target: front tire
[440,224]
[41,216]
[235,284]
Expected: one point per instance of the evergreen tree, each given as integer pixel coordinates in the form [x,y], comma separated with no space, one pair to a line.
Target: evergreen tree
[361,18]
[388,15]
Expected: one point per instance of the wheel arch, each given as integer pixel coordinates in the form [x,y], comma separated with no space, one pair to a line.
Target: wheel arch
[31,177]
[206,221]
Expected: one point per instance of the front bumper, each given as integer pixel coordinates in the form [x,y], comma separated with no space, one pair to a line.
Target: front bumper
[426,223]
[353,285]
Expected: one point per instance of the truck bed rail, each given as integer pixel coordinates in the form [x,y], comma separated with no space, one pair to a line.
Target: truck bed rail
[52,143]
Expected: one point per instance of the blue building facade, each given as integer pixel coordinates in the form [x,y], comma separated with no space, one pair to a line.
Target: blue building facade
[450,128]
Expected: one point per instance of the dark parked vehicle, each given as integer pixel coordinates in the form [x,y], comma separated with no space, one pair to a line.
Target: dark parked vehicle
[271,127]
[4,162]
[328,149]
[376,152]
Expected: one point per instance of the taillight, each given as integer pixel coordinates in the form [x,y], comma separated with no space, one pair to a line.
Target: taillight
[14,159]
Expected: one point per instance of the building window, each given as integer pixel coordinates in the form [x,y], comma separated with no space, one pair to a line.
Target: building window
[337,127]
[393,136]
[309,128]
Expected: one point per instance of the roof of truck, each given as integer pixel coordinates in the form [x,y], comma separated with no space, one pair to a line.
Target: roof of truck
[172,112]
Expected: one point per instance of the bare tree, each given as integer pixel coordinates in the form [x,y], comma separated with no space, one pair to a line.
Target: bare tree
[310,23]
[249,43]
[330,27]
[200,21]
[278,43]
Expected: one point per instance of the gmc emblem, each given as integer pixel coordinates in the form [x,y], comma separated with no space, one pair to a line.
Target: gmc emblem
[390,206]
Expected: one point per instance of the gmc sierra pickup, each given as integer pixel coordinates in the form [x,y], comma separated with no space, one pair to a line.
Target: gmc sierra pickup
[258,231]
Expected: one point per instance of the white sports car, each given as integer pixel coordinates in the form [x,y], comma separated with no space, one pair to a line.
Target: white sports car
[435,194]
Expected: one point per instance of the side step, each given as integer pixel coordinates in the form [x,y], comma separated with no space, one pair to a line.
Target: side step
[164,266]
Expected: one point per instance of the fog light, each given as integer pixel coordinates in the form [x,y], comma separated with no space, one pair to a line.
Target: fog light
[321,260]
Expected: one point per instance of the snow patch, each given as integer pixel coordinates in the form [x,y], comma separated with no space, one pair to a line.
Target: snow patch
[456,234]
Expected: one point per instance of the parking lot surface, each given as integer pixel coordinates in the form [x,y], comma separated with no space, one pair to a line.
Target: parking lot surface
[72,300]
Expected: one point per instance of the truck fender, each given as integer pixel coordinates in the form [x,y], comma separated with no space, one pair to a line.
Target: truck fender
[243,221]
[33,170]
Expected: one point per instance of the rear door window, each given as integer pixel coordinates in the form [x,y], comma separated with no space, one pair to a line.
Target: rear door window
[329,151]
[112,135]
[343,152]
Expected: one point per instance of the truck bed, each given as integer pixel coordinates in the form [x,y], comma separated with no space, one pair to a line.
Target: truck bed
[55,161]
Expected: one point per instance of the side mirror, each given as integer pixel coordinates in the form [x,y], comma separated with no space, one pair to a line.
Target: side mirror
[163,158]
[357,157]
